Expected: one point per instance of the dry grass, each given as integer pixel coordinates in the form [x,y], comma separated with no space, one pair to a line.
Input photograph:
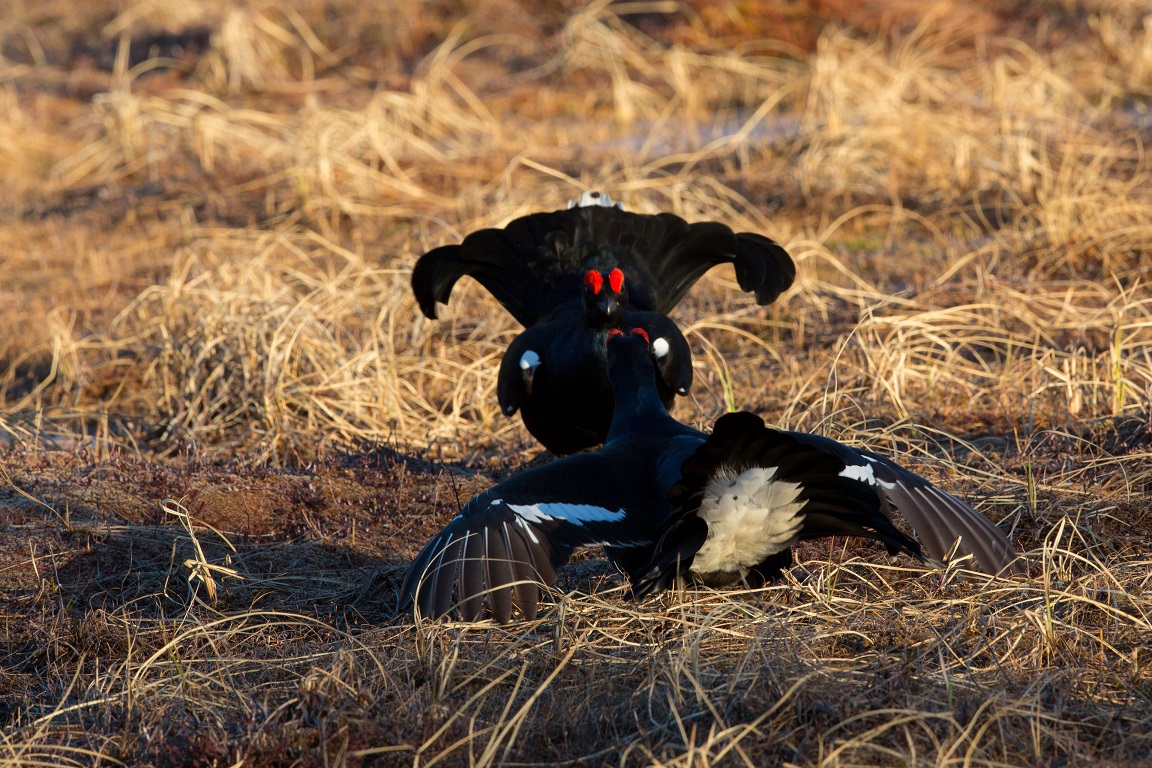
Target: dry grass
[209,214]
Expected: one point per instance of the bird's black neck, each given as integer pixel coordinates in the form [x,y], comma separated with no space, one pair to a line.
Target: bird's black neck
[632,374]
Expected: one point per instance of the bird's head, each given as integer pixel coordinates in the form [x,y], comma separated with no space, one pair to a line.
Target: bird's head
[638,332]
[605,297]
[633,349]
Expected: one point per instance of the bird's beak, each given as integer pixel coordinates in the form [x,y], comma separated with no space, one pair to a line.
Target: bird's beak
[608,307]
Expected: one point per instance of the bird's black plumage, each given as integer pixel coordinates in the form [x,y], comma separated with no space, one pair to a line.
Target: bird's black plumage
[667,501]
[537,262]
[522,530]
[555,373]
[536,267]
[832,504]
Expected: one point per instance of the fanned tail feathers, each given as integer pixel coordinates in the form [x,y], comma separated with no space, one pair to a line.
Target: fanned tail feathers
[536,261]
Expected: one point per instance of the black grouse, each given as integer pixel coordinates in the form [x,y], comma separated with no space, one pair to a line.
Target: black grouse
[540,267]
[555,372]
[665,500]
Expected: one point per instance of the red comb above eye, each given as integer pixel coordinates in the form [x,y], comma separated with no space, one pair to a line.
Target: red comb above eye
[616,280]
[593,280]
[613,333]
[641,332]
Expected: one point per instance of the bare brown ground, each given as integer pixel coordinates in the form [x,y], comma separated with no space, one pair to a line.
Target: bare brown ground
[226,429]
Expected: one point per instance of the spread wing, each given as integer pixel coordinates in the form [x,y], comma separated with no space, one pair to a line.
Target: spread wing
[937,518]
[940,520]
[515,536]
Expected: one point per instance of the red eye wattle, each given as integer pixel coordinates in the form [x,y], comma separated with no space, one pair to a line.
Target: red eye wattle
[616,280]
[642,333]
[594,280]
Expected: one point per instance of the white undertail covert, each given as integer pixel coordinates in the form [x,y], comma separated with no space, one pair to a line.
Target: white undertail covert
[750,516]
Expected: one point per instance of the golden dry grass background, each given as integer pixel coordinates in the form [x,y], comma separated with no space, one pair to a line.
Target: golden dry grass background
[210,211]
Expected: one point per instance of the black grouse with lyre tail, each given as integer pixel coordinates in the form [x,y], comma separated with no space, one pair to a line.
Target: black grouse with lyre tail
[666,501]
[571,276]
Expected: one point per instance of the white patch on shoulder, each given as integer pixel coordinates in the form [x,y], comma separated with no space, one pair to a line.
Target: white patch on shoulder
[861,472]
[529,361]
[589,199]
[577,514]
[750,516]
[660,347]
[865,474]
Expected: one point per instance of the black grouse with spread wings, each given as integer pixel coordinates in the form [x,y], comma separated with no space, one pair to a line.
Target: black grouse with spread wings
[666,501]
